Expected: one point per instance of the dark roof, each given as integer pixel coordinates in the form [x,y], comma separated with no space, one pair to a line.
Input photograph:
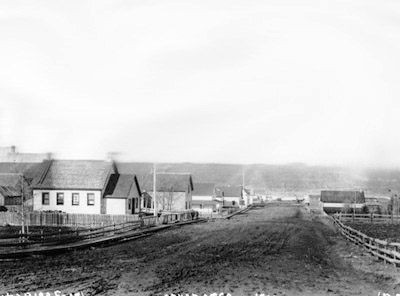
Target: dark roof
[333,196]
[9,179]
[168,182]
[9,191]
[229,191]
[122,186]
[10,185]
[76,174]
[31,171]
[203,189]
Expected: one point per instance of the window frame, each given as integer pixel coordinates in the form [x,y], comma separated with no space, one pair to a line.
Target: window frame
[72,199]
[90,194]
[48,198]
[60,194]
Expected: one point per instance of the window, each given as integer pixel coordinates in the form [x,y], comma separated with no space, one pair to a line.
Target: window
[201,206]
[233,203]
[75,199]
[129,204]
[60,198]
[45,198]
[90,199]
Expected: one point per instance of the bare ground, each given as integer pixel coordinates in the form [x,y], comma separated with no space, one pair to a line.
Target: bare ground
[278,249]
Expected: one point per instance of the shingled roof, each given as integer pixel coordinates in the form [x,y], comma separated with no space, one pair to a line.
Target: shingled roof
[169,182]
[335,196]
[122,186]
[76,174]
[204,189]
[10,185]
[31,171]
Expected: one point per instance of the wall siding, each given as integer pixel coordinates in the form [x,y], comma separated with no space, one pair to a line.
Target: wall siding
[116,206]
[67,207]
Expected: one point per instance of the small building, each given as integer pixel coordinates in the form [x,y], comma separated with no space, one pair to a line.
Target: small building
[15,177]
[203,198]
[122,195]
[338,201]
[231,196]
[174,192]
[10,190]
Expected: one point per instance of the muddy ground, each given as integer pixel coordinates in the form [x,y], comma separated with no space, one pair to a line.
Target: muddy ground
[278,249]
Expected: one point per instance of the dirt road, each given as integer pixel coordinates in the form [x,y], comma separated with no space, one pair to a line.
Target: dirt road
[276,249]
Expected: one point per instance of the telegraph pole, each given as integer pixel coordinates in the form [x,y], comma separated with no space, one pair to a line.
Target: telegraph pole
[154,190]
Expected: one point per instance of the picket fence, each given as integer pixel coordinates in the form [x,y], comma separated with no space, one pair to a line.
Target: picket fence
[64,219]
[387,251]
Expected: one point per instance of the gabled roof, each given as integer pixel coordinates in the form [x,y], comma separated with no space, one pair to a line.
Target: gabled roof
[31,171]
[122,186]
[229,191]
[9,180]
[76,174]
[10,185]
[335,196]
[168,182]
[203,189]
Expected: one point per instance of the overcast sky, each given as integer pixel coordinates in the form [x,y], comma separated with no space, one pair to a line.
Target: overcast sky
[203,81]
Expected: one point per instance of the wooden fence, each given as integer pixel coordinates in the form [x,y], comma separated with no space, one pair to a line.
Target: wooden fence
[64,219]
[368,218]
[61,236]
[387,251]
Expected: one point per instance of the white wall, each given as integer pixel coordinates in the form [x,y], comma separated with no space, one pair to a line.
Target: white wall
[115,206]
[341,205]
[82,208]
[198,197]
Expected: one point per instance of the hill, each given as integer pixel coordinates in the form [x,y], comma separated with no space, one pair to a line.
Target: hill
[279,179]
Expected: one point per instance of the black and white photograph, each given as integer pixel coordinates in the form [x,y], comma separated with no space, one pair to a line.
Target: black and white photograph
[199,148]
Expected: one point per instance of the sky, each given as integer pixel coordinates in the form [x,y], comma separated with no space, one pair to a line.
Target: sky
[240,81]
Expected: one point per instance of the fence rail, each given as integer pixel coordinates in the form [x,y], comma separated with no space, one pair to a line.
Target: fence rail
[387,251]
[369,218]
[67,236]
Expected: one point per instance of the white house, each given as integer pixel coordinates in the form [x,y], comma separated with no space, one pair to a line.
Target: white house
[232,196]
[174,192]
[203,198]
[122,195]
[85,187]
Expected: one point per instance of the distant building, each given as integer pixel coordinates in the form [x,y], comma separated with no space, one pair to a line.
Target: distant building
[338,201]
[15,177]
[231,196]
[9,154]
[203,198]
[174,192]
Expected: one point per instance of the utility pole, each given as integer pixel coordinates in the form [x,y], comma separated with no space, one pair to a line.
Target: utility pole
[154,189]
[243,177]
[22,204]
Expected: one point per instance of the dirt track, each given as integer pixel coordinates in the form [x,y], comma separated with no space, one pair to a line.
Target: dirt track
[271,250]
